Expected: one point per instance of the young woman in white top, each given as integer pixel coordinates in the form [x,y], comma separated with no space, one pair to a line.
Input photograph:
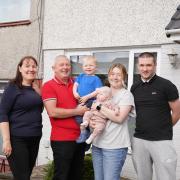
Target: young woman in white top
[110,148]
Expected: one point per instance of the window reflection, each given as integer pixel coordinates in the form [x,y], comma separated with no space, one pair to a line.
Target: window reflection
[2,86]
[104,60]
[76,62]
[136,73]
[14,10]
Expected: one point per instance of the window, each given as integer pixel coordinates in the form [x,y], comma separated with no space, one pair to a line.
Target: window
[3,84]
[14,11]
[107,57]
[105,60]
[76,61]
[135,65]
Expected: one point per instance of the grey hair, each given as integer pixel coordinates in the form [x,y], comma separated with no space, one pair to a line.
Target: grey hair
[57,58]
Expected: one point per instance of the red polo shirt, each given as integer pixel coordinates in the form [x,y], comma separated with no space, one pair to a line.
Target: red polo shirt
[63,129]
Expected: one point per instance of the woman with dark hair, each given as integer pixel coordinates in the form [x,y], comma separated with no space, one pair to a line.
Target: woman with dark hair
[109,150]
[20,119]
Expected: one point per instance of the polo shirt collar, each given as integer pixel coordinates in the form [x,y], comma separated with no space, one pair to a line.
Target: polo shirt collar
[59,81]
[149,80]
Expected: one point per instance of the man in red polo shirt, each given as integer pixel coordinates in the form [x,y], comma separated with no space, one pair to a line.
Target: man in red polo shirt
[62,107]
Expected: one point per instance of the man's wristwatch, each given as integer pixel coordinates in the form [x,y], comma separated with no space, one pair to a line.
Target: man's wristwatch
[99,107]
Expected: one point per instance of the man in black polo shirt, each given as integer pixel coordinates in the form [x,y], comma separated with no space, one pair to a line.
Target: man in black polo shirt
[158,109]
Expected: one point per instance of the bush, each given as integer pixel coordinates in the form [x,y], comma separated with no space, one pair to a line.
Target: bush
[49,169]
[88,169]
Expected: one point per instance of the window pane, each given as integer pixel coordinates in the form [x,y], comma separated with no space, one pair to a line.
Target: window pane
[2,86]
[14,10]
[136,74]
[0,96]
[106,59]
[76,62]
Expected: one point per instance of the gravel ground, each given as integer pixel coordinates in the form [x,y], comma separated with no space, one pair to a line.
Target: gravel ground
[38,174]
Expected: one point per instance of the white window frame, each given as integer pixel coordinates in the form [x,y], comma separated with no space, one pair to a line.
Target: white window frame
[82,52]
[77,53]
[131,62]
[69,53]
[15,11]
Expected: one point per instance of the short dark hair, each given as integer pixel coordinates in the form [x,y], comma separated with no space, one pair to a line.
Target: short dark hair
[18,78]
[148,55]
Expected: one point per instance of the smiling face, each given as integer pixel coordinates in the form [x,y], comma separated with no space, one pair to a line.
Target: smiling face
[146,67]
[62,68]
[117,76]
[28,71]
[89,65]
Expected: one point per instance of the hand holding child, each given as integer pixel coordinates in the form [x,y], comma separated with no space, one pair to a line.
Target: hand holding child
[76,95]
[83,99]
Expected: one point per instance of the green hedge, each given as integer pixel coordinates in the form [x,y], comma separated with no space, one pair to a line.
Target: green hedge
[88,169]
[49,169]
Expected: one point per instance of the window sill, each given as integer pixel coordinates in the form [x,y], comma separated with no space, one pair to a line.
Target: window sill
[17,23]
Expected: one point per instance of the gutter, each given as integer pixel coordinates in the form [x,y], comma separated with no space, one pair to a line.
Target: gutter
[172,31]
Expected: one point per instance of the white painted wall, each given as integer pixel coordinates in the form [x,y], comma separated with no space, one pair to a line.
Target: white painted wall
[85,24]
[19,41]
[172,74]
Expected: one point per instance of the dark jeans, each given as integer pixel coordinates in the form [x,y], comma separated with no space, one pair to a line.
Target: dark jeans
[68,160]
[23,157]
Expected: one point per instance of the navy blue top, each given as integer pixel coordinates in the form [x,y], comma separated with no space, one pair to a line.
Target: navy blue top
[22,108]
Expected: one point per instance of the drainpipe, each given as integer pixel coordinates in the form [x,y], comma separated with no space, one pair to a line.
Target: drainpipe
[40,13]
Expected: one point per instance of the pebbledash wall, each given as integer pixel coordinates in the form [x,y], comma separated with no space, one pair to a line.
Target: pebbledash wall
[83,27]
[17,41]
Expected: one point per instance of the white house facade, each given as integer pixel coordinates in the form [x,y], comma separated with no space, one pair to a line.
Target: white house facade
[113,31]
[20,35]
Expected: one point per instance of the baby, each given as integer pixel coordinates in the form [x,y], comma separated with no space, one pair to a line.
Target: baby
[84,88]
[103,97]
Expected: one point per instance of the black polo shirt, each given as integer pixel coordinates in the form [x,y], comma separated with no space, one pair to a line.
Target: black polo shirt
[153,121]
